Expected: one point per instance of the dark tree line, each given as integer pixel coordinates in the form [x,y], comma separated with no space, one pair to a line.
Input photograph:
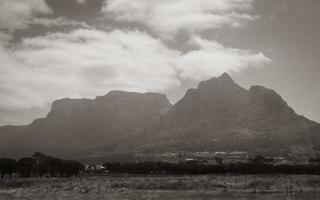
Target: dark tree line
[257,165]
[40,165]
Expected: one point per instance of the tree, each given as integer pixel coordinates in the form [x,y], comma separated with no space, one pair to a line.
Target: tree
[315,161]
[26,167]
[7,166]
[261,160]
[218,160]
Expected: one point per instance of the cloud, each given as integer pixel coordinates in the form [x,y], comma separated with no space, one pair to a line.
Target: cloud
[86,63]
[16,14]
[83,63]
[168,17]
[58,22]
[81,1]
[212,58]
[5,39]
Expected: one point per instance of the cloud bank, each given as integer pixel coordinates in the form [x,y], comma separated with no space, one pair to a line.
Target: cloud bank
[86,61]
[17,14]
[58,22]
[167,17]
[212,58]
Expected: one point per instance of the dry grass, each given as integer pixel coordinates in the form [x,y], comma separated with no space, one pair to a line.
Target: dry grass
[161,187]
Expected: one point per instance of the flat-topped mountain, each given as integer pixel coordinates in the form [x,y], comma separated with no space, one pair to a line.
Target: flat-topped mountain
[218,115]
[76,124]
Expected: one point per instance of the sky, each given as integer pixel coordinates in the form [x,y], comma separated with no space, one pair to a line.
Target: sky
[53,49]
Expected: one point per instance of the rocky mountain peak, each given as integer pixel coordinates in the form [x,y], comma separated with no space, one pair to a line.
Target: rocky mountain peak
[225,77]
[267,97]
[223,83]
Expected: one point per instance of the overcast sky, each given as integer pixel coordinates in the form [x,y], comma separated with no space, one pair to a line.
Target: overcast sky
[51,49]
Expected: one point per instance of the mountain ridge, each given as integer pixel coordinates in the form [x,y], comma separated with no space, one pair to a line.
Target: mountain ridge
[218,115]
[223,116]
[84,123]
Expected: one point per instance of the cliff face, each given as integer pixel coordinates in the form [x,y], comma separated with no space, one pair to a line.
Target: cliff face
[77,124]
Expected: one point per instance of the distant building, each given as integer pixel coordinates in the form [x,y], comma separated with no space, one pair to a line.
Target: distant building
[95,168]
[238,153]
[217,153]
[284,162]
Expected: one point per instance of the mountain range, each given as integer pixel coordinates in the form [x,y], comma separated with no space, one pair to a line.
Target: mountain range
[218,115]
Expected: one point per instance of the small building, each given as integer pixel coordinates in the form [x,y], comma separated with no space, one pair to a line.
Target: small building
[94,168]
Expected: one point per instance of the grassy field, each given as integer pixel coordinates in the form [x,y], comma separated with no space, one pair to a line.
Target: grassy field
[142,187]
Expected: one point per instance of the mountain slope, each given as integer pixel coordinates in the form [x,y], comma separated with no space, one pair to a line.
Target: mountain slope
[220,115]
[76,124]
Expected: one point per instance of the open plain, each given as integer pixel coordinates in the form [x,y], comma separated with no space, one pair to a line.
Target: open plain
[140,187]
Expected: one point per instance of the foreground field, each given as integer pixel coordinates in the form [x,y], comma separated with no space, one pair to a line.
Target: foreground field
[164,187]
